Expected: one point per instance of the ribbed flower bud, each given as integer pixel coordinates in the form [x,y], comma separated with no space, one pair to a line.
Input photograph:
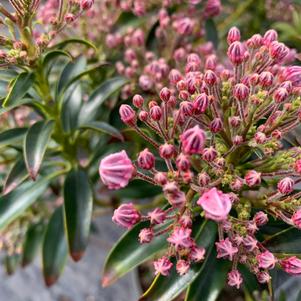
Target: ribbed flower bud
[210,78]
[216,125]
[183,162]
[146,160]
[201,103]
[236,53]
[155,113]
[126,216]
[253,178]
[291,265]
[270,36]
[138,101]
[127,114]
[203,179]
[286,185]
[233,35]
[193,140]
[146,235]
[266,79]
[165,94]
[209,154]
[241,92]
[266,260]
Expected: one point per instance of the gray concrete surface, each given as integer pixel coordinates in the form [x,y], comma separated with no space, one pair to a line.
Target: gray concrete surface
[79,282]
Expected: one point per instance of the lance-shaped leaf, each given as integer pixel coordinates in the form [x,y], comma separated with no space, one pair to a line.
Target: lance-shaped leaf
[103,127]
[16,176]
[65,43]
[128,253]
[11,263]
[55,249]
[17,201]
[209,283]
[168,288]
[90,110]
[78,202]
[18,103]
[19,88]
[287,242]
[12,136]
[211,32]
[32,242]
[52,55]
[35,145]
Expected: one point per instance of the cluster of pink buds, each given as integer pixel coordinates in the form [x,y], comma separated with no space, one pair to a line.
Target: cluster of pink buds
[33,40]
[219,132]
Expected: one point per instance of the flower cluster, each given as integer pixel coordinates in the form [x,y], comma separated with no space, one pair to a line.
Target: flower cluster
[218,129]
[26,40]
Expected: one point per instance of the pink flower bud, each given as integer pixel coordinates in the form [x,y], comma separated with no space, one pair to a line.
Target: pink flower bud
[266,260]
[235,121]
[278,51]
[180,238]
[127,114]
[193,140]
[201,103]
[145,83]
[255,41]
[184,95]
[297,166]
[216,204]
[183,162]
[165,94]
[241,92]
[260,218]
[216,125]
[69,18]
[260,138]
[225,249]
[212,8]
[197,254]
[210,78]
[182,85]
[235,278]
[286,185]
[287,85]
[174,195]
[266,79]
[253,178]
[138,38]
[155,113]
[250,243]
[270,36]
[146,160]
[175,76]
[209,154]
[184,26]
[182,267]
[236,53]
[143,115]
[86,4]
[146,235]
[160,178]
[167,151]
[163,266]
[157,216]
[116,170]
[263,277]
[203,179]
[233,35]
[186,108]
[126,216]
[292,74]
[291,265]
[253,79]
[237,140]
[211,62]
[138,101]
[277,134]
[237,184]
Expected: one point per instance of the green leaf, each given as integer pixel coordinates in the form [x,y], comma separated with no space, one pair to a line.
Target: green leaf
[35,145]
[211,32]
[16,176]
[71,70]
[78,203]
[13,204]
[32,242]
[128,253]
[168,288]
[12,136]
[90,110]
[210,282]
[70,109]
[18,103]
[19,88]
[55,249]
[103,127]
[64,43]
[51,55]
[286,242]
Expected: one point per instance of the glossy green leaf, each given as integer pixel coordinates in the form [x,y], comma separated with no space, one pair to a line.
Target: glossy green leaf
[71,70]
[11,263]
[12,136]
[35,145]
[128,253]
[66,42]
[18,103]
[168,288]
[78,203]
[90,110]
[71,108]
[52,55]
[19,88]
[208,285]
[17,201]
[103,127]
[55,249]
[211,32]
[16,176]
[32,242]
[287,241]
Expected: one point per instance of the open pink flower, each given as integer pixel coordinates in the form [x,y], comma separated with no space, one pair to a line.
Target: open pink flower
[116,170]
[216,204]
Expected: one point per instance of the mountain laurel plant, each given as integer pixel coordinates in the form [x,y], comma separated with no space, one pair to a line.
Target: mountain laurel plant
[203,170]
